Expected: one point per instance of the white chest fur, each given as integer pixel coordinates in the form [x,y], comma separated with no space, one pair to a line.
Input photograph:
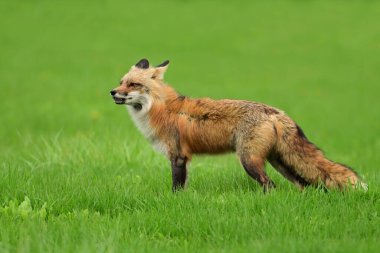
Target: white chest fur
[142,122]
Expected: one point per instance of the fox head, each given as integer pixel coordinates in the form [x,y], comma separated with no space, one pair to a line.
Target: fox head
[141,85]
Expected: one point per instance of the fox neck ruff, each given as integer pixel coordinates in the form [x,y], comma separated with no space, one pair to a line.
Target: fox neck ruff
[140,116]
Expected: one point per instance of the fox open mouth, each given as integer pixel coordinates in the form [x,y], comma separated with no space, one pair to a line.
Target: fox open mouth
[119,101]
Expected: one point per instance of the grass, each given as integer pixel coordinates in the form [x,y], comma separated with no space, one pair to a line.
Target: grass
[76,176]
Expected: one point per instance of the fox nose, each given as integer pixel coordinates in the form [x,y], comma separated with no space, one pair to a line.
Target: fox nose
[113,92]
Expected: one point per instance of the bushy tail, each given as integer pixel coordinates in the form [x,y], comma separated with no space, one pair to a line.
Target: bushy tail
[306,163]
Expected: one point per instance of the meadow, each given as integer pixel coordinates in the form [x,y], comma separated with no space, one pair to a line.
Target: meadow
[77,176]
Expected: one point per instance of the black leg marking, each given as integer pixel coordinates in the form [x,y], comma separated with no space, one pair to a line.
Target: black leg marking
[288,172]
[179,172]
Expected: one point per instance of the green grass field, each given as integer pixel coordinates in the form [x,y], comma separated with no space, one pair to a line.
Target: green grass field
[77,176]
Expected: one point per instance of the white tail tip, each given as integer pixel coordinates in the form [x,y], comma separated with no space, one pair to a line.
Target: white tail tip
[362,186]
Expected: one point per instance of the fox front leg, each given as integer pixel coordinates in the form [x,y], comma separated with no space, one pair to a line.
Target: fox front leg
[179,172]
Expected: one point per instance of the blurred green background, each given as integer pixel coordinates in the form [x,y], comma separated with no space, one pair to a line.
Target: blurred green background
[317,60]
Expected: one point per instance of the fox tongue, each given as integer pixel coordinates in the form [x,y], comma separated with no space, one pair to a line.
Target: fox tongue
[119,100]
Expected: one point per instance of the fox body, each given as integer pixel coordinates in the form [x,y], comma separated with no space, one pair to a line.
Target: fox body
[179,127]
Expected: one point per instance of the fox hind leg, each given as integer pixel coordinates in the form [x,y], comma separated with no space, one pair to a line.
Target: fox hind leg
[253,150]
[287,172]
[254,166]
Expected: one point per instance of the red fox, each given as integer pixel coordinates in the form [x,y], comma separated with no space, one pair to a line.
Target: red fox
[180,126]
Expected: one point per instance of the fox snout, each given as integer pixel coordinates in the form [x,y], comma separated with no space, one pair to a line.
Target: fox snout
[114,93]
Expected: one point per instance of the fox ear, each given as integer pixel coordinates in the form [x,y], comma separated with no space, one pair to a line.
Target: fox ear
[163,64]
[160,70]
[143,64]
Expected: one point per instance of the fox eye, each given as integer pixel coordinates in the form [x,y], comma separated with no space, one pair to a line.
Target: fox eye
[134,85]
